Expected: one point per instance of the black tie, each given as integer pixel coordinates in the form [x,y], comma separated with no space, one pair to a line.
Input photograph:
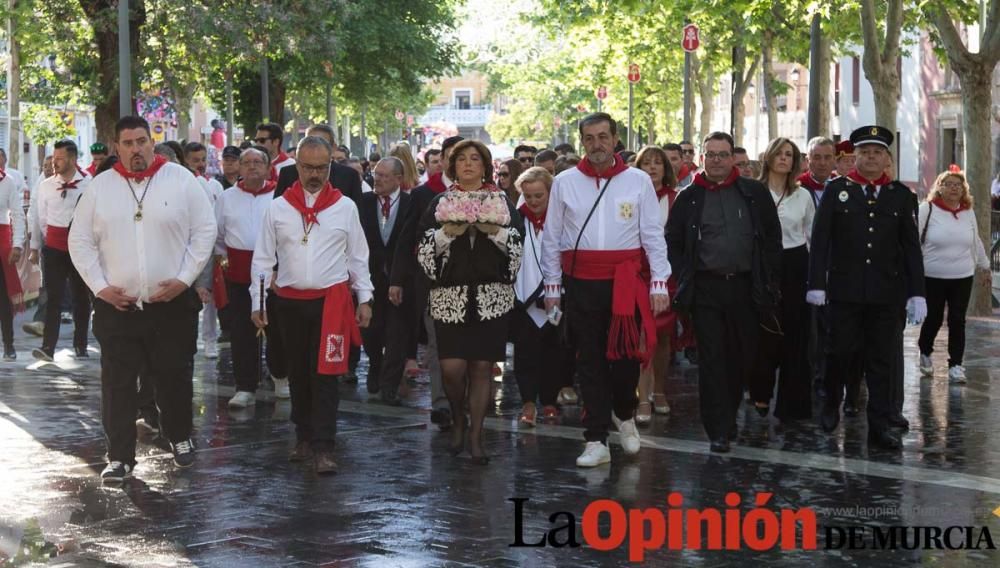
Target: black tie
[870,192]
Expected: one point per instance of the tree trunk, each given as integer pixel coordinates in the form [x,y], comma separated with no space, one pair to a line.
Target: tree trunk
[13,92]
[277,101]
[770,96]
[183,96]
[879,60]
[976,122]
[823,101]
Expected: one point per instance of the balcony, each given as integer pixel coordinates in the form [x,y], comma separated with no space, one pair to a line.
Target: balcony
[477,115]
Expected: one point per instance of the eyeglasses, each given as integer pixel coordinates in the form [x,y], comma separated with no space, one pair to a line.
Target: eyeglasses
[717,155]
[253,163]
[688,151]
[952,184]
[262,140]
[313,169]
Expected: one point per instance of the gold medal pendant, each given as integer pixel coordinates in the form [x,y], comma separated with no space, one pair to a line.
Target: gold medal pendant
[305,239]
[138,215]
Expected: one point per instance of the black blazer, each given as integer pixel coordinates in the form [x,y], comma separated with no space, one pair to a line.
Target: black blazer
[863,254]
[382,255]
[344,178]
[683,234]
[404,268]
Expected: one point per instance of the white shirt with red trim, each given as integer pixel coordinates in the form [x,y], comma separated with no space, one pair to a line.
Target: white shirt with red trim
[287,162]
[12,209]
[627,218]
[52,208]
[174,238]
[336,250]
[240,217]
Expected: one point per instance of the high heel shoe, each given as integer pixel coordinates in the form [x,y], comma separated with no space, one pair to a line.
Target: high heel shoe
[660,404]
[644,413]
[761,410]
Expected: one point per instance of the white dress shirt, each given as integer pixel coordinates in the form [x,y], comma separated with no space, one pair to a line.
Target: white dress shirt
[627,218]
[240,216]
[213,189]
[795,211]
[12,209]
[52,208]
[288,161]
[336,250]
[174,239]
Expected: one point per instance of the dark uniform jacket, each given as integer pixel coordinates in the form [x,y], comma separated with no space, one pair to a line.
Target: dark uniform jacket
[863,253]
[380,255]
[684,234]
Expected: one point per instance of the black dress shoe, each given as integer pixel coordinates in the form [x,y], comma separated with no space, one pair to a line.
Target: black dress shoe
[851,410]
[351,378]
[830,417]
[441,417]
[761,410]
[898,421]
[883,439]
[719,445]
[81,353]
[373,386]
[390,398]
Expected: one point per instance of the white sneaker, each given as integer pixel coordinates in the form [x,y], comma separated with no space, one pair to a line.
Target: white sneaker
[281,388]
[628,435]
[242,399]
[956,374]
[594,454]
[211,350]
[926,365]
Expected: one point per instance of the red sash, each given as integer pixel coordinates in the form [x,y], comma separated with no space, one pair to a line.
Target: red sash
[339,330]
[220,296]
[239,265]
[57,238]
[11,277]
[630,290]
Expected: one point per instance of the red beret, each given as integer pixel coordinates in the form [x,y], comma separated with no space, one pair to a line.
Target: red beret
[845,148]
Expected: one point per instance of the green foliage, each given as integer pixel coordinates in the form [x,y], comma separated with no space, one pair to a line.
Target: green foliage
[44,124]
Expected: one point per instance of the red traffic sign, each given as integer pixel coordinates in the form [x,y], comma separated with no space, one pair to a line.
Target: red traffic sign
[633,73]
[602,93]
[692,38]
[399,115]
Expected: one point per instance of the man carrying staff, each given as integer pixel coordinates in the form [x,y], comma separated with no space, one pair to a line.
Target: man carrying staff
[314,236]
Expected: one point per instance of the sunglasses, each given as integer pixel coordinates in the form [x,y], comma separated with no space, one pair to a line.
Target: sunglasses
[526,159]
[688,152]
[503,174]
[262,140]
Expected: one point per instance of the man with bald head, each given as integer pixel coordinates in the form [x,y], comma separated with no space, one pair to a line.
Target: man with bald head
[384,212]
[342,177]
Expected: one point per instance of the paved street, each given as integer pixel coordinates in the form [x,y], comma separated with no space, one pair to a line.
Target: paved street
[401,500]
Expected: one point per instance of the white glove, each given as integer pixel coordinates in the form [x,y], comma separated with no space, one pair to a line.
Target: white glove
[816,297]
[916,310]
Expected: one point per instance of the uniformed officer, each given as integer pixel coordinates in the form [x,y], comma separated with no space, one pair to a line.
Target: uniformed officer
[866,254]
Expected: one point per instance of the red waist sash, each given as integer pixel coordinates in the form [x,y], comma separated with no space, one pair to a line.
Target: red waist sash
[630,290]
[339,330]
[11,277]
[57,238]
[220,296]
[239,265]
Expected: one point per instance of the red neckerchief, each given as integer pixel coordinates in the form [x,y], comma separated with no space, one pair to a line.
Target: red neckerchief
[268,187]
[436,184]
[3,174]
[72,184]
[536,221]
[854,176]
[281,158]
[807,181]
[83,173]
[941,204]
[702,181]
[296,197]
[669,192]
[685,171]
[158,162]
[616,168]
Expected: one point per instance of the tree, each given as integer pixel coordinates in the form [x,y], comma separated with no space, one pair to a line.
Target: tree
[975,72]
[881,52]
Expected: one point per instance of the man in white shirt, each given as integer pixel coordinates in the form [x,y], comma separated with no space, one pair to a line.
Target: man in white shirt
[139,240]
[55,202]
[239,214]
[316,235]
[270,135]
[12,228]
[196,159]
[603,218]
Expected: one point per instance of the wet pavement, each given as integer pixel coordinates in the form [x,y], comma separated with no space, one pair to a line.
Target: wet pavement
[401,500]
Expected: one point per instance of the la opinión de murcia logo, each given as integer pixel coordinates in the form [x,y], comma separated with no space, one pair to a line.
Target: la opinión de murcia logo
[758,529]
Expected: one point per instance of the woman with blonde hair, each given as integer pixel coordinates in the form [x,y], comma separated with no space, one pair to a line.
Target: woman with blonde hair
[411,178]
[784,343]
[949,237]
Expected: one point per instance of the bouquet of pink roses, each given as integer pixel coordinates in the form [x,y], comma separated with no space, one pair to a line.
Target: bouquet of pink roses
[457,207]
[493,209]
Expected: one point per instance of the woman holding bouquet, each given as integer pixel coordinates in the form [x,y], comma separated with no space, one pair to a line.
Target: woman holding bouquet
[471,251]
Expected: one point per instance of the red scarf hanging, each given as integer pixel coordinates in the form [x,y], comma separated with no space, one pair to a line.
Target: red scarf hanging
[807,181]
[667,191]
[338,329]
[537,221]
[269,186]
[220,296]
[83,173]
[11,277]
[282,156]
[854,176]
[942,205]
[436,183]
[616,168]
[685,171]
[158,162]
[296,197]
[65,185]
[702,181]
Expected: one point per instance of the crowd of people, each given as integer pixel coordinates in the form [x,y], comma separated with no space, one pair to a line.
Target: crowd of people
[785,279]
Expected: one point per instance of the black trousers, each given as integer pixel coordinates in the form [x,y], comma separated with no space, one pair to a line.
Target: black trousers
[386,341]
[243,337]
[955,294]
[59,267]
[315,397]
[277,363]
[869,330]
[787,352]
[727,328]
[542,365]
[607,386]
[161,337]
[6,313]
